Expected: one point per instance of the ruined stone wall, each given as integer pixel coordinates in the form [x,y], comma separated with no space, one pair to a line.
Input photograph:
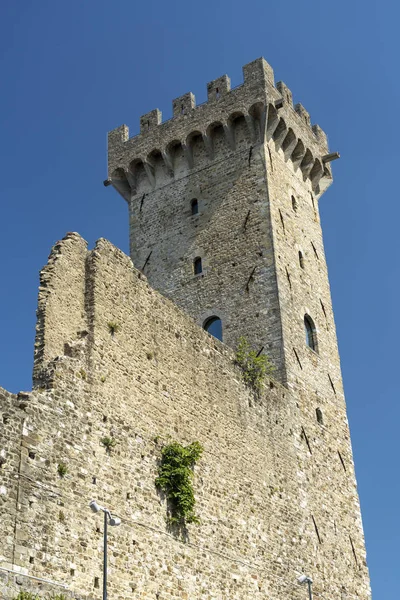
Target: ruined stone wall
[160,377]
[63,314]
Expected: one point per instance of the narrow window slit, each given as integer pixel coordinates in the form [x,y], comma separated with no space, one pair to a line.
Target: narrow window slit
[315,250]
[297,358]
[270,160]
[354,550]
[245,221]
[320,418]
[315,210]
[249,279]
[332,386]
[342,461]
[288,278]
[197,266]
[250,155]
[147,260]
[306,439]
[311,333]
[282,221]
[194,205]
[316,529]
[96,582]
[294,204]
[301,259]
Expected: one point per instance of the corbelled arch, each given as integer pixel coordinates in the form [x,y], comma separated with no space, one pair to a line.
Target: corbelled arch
[238,125]
[120,182]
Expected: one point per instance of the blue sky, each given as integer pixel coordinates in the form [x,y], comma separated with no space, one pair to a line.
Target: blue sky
[71,71]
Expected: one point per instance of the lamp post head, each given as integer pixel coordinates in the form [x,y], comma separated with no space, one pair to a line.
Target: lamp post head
[304,579]
[113,521]
[94,506]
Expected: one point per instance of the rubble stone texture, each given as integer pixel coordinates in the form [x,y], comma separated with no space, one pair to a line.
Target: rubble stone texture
[120,353]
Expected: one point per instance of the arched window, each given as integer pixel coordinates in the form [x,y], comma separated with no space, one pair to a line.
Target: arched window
[214,326]
[311,333]
[301,259]
[294,204]
[197,266]
[194,206]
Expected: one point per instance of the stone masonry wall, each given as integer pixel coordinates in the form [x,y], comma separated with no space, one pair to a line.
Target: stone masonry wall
[160,377]
[231,234]
[215,153]
[12,419]
[315,376]
[257,169]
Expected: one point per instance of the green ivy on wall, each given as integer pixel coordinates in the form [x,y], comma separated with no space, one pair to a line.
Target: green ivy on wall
[175,479]
[255,367]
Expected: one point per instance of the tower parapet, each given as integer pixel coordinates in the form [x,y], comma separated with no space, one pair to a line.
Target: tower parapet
[267,109]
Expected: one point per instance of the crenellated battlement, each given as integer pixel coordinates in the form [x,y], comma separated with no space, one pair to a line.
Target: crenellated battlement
[268,113]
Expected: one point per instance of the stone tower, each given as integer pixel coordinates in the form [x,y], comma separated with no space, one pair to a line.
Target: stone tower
[224,220]
[223,205]
[223,202]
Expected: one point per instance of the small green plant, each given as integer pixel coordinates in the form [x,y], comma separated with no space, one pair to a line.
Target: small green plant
[113,327]
[82,373]
[109,443]
[255,367]
[62,469]
[103,378]
[149,355]
[61,516]
[175,478]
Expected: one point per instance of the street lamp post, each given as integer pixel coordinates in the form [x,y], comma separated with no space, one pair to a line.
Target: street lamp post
[108,520]
[304,579]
